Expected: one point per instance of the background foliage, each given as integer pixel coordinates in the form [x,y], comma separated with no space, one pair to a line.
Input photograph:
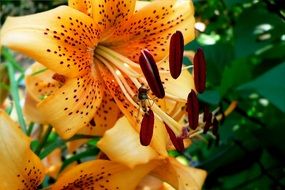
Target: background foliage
[244,44]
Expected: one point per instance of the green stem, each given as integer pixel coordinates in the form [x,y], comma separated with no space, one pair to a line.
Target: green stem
[58,143]
[44,140]
[15,95]
[9,57]
[89,152]
[30,129]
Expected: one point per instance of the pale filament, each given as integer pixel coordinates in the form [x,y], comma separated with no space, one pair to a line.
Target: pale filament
[115,61]
[122,86]
[128,70]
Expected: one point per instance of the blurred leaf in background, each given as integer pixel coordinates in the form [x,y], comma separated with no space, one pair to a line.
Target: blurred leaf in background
[244,44]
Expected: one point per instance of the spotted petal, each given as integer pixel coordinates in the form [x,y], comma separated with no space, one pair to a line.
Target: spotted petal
[83,6]
[103,174]
[105,118]
[151,28]
[39,81]
[61,39]
[110,13]
[69,107]
[20,168]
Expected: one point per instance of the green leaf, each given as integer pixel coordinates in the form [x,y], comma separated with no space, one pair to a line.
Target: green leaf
[270,85]
[252,23]
[234,75]
[4,83]
[231,3]
[210,96]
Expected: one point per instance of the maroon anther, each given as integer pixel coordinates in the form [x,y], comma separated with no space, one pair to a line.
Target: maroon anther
[176,50]
[208,123]
[176,141]
[59,78]
[151,73]
[207,118]
[215,126]
[193,110]
[147,128]
[206,113]
[200,71]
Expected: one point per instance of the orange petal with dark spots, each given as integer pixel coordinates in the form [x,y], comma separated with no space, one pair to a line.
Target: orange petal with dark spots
[151,73]
[200,71]
[72,106]
[176,54]
[111,13]
[61,39]
[151,28]
[147,125]
[105,118]
[193,110]
[20,168]
[84,6]
[103,174]
[39,81]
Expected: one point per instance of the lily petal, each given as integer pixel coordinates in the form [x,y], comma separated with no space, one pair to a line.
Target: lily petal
[60,39]
[128,109]
[39,81]
[103,174]
[108,14]
[122,144]
[20,168]
[151,28]
[83,6]
[105,118]
[73,105]
[179,176]
[141,4]
[179,87]
[31,111]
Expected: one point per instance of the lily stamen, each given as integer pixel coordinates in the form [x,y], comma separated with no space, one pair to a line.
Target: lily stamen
[176,50]
[119,56]
[150,71]
[120,83]
[128,70]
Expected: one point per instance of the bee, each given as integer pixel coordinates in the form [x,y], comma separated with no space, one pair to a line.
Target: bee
[142,97]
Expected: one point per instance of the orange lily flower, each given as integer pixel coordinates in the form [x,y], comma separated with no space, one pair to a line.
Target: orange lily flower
[126,148]
[20,168]
[91,50]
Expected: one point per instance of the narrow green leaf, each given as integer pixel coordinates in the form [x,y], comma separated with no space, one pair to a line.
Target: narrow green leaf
[15,94]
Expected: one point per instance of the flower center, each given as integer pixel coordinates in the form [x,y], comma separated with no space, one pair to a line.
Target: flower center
[121,68]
